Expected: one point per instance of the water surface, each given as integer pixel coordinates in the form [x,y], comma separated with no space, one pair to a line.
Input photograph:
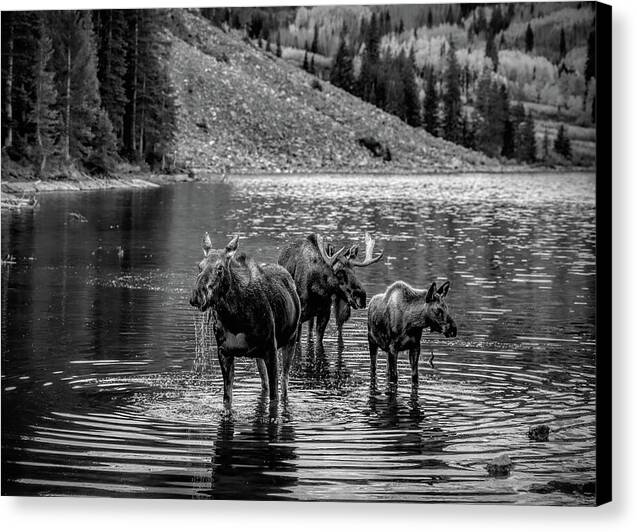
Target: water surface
[102,395]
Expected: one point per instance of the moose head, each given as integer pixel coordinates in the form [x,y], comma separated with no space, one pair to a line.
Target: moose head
[343,262]
[214,273]
[436,311]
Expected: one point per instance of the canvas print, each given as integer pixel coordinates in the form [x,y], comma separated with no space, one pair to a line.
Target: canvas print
[329,253]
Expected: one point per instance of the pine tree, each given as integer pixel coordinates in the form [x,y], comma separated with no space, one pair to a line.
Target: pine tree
[545,145]
[279,51]
[451,102]
[491,51]
[412,100]
[562,143]
[368,88]
[75,61]
[430,19]
[311,70]
[430,107]
[518,116]
[468,135]
[562,44]
[314,48]
[341,74]
[268,48]
[508,134]
[43,116]
[528,140]
[529,38]
[590,67]
[306,64]
[111,32]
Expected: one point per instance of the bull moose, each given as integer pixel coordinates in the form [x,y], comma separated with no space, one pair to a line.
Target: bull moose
[320,274]
[396,319]
[256,311]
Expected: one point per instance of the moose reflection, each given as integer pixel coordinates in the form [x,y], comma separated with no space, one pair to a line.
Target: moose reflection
[256,311]
[322,275]
[396,319]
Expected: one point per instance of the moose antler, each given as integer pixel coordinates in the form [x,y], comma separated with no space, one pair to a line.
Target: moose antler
[206,243]
[369,253]
[324,249]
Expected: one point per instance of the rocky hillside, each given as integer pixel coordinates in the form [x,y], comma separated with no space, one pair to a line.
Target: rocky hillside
[243,109]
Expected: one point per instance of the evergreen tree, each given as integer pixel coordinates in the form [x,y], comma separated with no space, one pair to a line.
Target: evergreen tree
[518,116]
[491,51]
[496,25]
[43,115]
[312,70]
[341,74]
[412,100]
[562,44]
[306,64]
[279,51]
[111,30]
[430,19]
[489,126]
[368,78]
[75,62]
[430,107]
[450,19]
[528,39]
[528,140]
[562,143]
[149,122]
[590,67]
[451,102]
[508,134]
[268,48]
[545,145]
[468,136]
[314,48]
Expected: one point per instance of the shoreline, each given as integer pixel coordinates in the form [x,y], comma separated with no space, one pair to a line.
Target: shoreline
[18,194]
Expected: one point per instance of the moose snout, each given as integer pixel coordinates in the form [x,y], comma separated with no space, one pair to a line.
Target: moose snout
[359,299]
[194,299]
[451,331]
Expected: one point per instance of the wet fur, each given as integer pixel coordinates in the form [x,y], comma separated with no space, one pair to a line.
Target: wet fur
[256,310]
[396,319]
[316,283]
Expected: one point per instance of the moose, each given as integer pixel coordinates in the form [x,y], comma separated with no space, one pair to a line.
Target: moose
[256,311]
[396,319]
[321,275]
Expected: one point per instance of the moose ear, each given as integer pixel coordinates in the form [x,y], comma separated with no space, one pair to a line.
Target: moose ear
[206,244]
[444,289]
[430,293]
[231,246]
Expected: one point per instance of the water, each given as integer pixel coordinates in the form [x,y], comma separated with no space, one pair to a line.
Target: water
[103,394]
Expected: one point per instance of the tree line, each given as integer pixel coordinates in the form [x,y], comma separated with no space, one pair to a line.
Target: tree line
[485,120]
[86,89]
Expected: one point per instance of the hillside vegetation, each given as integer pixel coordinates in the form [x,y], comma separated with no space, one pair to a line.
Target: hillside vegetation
[114,91]
[241,108]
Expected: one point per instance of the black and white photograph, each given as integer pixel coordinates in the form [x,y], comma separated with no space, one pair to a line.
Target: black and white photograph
[342,253]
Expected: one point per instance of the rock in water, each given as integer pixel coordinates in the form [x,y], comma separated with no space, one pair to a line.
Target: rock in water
[539,433]
[500,466]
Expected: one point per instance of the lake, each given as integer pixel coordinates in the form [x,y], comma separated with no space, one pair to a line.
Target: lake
[103,394]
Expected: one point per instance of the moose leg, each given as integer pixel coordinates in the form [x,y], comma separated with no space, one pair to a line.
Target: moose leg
[227,370]
[288,357]
[322,318]
[392,365]
[272,365]
[373,351]
[343,312]
[263,372]
[414,355]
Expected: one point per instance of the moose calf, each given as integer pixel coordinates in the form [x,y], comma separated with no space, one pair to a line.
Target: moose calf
[396,319]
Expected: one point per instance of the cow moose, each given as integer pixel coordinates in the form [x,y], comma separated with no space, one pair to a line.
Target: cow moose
[322,274]
[396,319]
[256,310]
